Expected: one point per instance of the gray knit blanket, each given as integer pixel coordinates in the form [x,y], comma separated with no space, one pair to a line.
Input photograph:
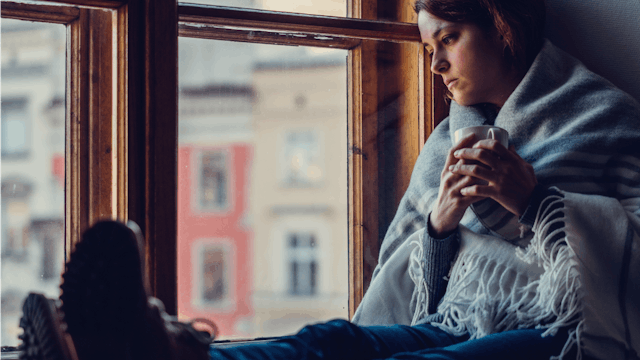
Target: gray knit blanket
[582,136]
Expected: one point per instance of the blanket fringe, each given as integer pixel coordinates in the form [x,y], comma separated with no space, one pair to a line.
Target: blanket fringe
[559,286]
[421,296]
[574,340]
[543,291]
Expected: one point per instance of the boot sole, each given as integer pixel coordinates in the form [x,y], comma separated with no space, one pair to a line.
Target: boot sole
[44,336]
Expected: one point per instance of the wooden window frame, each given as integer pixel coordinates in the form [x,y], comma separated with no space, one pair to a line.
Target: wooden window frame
[88,148]
[358,34]
[118,69]
[122,66]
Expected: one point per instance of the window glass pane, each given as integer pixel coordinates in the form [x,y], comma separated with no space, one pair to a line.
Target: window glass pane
[32,166]
[15,120]
[311,7]
[262,197]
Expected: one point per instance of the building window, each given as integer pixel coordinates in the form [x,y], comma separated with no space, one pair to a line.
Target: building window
[214,286]
[303,264]
[214,181]
[15,140]
[212,261]
[302,159]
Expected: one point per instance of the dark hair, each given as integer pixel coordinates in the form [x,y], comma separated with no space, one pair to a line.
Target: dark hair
[520,23]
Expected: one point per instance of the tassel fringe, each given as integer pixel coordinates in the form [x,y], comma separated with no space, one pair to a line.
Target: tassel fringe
[510,288]
[418,276]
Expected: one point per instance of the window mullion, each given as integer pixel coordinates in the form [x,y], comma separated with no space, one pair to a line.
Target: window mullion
[77,144]
[122,114]
[101,124]
[152,138]
[90,126]
[363,170]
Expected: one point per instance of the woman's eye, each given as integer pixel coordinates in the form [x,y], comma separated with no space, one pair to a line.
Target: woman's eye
[448,39]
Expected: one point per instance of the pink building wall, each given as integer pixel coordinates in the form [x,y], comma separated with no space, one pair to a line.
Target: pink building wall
[196,225]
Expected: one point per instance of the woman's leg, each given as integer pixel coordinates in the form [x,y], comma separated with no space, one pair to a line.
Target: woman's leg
[526,344]
[340,339]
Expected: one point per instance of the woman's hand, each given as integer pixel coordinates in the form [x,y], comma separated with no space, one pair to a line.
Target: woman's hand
[451,204]
[509,179]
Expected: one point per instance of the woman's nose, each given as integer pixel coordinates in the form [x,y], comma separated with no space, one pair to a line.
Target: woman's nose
[439,64]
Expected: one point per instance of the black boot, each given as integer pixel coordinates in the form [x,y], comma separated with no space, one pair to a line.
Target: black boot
[106,304]
[44,336]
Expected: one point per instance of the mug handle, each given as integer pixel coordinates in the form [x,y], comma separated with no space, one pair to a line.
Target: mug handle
[491,134]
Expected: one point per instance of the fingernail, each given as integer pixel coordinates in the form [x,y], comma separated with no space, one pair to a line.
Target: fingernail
[457,153]
[451,167]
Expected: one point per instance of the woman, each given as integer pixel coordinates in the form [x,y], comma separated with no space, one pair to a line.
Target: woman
[570,181]
[511,221]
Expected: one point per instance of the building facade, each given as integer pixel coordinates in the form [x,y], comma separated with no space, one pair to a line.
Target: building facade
[32,173]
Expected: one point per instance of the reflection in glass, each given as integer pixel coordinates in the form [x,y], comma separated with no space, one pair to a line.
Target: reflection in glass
[32,166]
[262,186]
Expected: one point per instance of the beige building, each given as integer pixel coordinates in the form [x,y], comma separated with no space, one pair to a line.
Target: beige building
[299,192]
[31,167]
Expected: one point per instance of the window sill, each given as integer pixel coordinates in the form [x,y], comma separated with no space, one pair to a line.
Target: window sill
[9,353]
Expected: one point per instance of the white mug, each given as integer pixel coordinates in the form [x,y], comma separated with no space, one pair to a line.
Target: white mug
[483,132]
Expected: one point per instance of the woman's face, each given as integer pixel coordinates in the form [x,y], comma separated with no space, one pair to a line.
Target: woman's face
[470,60]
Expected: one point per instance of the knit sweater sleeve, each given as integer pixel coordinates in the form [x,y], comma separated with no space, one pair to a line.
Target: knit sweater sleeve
[439,254]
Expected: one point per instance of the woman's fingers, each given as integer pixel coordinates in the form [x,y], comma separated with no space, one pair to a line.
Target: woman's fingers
[495,146]
[473,170]
[509,179]
[477,191]
[477,155]
[466,142]
[451,205]
[471,191]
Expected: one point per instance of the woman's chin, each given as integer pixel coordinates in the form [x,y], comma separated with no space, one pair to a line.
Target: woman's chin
[463,100]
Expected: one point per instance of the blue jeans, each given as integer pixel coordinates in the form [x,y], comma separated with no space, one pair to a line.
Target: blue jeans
[340,339]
